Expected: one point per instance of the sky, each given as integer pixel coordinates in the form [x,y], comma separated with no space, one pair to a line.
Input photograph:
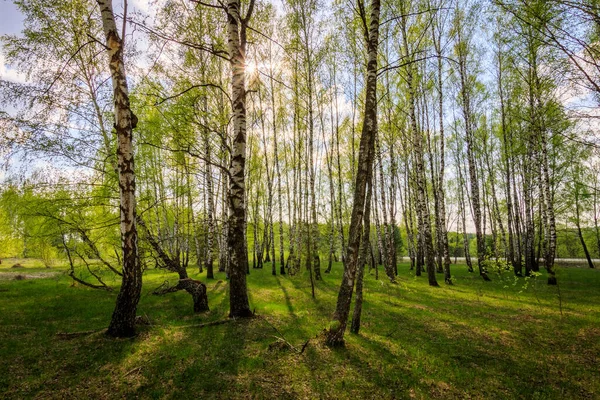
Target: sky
[11,22]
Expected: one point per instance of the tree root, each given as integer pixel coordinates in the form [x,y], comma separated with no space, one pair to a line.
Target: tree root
[282,339]
[212,323]
[72,335]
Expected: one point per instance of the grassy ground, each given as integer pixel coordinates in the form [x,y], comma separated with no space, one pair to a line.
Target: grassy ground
[502,339]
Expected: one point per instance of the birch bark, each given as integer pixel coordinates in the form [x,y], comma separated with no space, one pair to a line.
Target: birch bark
[236,39]
[122,323]
[335,335]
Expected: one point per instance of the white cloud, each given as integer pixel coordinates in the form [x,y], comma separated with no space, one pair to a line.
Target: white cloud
[10,74]
[144,6]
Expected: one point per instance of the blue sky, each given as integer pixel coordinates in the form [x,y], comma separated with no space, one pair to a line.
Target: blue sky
[11,20]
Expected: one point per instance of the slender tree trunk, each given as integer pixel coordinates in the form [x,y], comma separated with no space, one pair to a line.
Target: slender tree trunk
[332,201]
[507,169]
[307,223]
[362,259]
[378,235]
[393,228]
[463,212]
[122,323]
[442,229]
[269,225]
[238,292]
[224,256]
[423,215]
[465,93]
[588,257]
[299,225]
[519,250]
[596,227]
[208,262]
[192,231]
[335,335]
[439,251]
[340,203]
[404,203]
[415,259]
[278,172]
[387,239]
[293,219]
[313,259]
[495,217]
[550,253]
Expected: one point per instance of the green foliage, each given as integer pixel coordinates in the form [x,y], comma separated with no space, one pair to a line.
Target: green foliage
[499,266]
[400,249]
[11,241]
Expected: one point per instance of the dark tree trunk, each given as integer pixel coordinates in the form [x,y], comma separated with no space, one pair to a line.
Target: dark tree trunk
[463,212]
[335,335]
[588,257]
[362,259]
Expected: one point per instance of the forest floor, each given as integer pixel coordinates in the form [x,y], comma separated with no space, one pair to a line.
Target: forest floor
[509,338]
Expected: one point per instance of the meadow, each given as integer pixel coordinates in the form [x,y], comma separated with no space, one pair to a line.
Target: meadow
[509,338]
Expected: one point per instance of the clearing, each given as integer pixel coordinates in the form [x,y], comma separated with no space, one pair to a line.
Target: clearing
[509,338]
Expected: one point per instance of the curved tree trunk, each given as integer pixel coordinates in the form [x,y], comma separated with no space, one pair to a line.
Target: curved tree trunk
[195,288]
[588,257]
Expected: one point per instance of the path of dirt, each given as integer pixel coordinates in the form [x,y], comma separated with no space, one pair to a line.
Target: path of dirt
[9,276]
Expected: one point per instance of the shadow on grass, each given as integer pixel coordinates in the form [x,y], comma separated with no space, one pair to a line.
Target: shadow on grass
[468,340]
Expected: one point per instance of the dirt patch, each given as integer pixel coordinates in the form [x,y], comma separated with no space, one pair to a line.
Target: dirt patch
[587,333]
[17,265]
[8,276]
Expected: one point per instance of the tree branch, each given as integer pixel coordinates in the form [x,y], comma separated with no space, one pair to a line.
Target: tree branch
[201,85]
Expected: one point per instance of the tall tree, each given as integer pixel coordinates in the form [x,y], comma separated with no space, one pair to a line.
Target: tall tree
[463,51]
[122,323]
[335,335]
[236,201]
[438,27]
[422,208]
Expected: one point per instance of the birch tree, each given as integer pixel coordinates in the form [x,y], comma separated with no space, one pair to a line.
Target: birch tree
[236,197]
[122,323]
[337,328]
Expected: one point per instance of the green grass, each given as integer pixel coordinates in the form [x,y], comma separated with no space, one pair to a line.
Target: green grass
[475,339]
